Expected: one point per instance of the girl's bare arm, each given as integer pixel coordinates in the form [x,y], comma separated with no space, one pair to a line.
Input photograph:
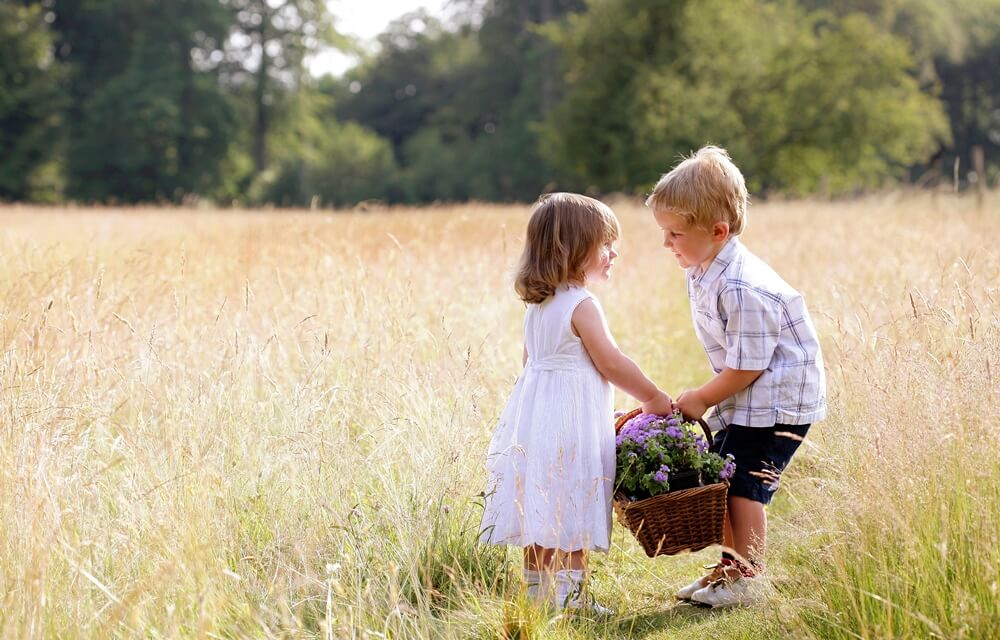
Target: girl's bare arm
[619,369]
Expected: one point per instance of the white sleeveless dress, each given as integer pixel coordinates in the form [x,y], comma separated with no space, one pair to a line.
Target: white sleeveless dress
[551,461]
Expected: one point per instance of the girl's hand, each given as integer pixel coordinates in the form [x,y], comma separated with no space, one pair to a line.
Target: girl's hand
[691,404]
[660,404]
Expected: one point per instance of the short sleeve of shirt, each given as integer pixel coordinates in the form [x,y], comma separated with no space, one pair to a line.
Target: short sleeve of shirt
[753,325]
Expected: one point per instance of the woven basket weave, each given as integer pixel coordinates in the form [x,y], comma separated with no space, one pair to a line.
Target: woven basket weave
[685,520]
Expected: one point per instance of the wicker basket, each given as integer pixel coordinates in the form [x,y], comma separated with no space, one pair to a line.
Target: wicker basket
[685,520]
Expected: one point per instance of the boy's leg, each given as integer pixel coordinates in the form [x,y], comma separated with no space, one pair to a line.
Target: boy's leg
[726,567]
[761,455]
[748,523]
[729,551]
[727,530]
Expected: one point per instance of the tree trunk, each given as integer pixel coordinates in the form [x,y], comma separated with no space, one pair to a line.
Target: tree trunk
[261,125]
[548,88]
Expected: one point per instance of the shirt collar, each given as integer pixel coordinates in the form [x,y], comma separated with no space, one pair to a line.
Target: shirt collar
[724,258]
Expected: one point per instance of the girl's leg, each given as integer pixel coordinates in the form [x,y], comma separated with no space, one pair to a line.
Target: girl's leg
[535,557]
[569,569]
[538,558]
[571,582]
[575,560]
[538,574]
[554,575]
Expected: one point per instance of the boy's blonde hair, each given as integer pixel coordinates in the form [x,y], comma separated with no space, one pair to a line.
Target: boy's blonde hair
[704,189]
[564,233]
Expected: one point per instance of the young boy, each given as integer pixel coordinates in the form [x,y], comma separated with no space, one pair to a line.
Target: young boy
[769,384]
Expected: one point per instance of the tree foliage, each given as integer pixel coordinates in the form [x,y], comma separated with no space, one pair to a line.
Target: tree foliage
[804,102]
[325,162]
[467,101]
[956,45]
[266,50]
[144,122]
[30,98]
[143,100]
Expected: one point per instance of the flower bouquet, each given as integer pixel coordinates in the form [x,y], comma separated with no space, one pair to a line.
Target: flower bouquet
[670,487]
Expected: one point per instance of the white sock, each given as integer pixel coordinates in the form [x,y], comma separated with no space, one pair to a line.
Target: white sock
[538,586]
[569,586]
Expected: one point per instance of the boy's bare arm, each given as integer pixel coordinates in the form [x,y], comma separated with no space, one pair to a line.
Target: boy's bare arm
[728,382]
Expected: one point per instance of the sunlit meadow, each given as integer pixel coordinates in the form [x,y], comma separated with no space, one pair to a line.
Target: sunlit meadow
[268,424]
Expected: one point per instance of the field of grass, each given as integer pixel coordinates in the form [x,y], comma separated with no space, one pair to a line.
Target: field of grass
[267,424]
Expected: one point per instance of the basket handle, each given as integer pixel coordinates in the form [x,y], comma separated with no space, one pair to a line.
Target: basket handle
[625,417]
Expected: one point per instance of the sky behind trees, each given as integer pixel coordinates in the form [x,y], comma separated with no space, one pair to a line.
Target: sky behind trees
[363,19]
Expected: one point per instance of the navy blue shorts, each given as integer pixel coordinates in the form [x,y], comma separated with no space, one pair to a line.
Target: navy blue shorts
[761,454]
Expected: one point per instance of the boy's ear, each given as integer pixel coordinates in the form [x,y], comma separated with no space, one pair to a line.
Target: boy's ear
[720,231]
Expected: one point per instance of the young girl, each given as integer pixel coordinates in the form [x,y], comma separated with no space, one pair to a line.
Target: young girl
[551,462]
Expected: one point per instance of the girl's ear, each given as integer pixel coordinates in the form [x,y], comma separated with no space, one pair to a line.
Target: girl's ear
[720,231]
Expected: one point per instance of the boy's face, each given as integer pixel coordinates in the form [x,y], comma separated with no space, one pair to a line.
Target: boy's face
[691,245]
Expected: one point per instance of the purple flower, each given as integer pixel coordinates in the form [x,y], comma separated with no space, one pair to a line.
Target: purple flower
[639,429]
[728,469]
[701,444]
[649,445]
[640,422]
[663,475]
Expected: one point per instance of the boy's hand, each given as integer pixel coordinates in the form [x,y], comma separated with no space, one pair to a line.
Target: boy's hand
[691,404]
[660,405]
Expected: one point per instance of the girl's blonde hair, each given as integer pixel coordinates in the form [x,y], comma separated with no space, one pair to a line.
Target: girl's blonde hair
[704,189]
[564,232]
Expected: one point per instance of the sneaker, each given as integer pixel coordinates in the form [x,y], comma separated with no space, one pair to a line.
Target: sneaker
[728,592]
[718,571]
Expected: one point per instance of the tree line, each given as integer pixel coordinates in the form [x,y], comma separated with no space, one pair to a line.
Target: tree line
[148,101]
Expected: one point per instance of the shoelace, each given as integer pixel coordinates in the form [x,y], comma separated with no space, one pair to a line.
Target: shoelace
[720,582]
[718,571]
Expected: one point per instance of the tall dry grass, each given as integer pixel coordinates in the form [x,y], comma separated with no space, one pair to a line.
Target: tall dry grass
[272,424]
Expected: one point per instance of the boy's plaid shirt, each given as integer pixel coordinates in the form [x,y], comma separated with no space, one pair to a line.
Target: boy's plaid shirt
[748,318]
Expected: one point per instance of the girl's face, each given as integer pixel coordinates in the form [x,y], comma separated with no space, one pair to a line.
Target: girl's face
[598,268]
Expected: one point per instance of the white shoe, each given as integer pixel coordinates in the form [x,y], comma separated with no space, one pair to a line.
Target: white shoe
[726,592]
[590,609]
[572,599]
[685,593]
